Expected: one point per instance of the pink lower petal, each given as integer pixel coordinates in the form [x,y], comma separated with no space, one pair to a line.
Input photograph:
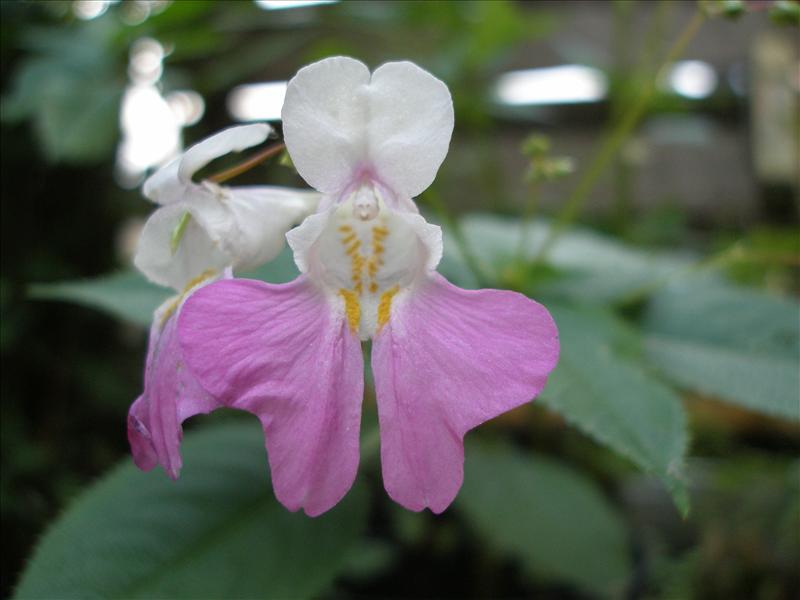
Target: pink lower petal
[144,454]
[448,360]
[282,353]
[171,395]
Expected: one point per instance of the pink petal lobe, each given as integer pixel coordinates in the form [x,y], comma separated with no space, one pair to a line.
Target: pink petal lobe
[448,360]
[171,395]
[283,353]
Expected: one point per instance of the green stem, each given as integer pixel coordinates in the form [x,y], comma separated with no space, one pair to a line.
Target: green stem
[247,164]
[618,97]
[654,35]
[529,211]
[454,227]
[624,171]
[370,445]
[615,138]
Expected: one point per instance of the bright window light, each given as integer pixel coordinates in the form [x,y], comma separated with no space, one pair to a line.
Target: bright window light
[693,79]
[282,4]
[565,84]
[90,9]
[151,124]
[257,101]
[151,134]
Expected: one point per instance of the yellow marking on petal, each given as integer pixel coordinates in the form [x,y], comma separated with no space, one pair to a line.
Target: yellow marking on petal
[385,305]
[375,261]
[170,310]
[176,301]
[207,274]
[352,308]
[353,248]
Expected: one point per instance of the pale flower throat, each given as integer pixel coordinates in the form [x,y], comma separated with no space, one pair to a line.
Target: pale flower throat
[367,255]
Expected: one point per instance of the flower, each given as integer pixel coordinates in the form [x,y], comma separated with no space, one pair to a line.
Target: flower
[202,226]
[197,236]
[444,359]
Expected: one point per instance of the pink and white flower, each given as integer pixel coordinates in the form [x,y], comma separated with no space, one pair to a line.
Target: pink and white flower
[202,226]
[199,234]
[444,359]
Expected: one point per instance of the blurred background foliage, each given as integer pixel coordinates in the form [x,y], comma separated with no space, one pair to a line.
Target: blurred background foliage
[650,204]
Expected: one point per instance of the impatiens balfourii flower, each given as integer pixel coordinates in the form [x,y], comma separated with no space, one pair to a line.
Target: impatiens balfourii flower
[200,233]
[205,226]
[444,359]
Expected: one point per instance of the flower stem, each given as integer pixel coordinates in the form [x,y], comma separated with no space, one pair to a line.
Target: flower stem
[615,139]
[246,165]
[454,226]
[369,446]
[529,211]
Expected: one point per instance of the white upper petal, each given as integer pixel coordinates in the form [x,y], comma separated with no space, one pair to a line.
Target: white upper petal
[233,139]
[196,253]
[411,121]
[324,121]
[340,123]
[168,184]
[163,186]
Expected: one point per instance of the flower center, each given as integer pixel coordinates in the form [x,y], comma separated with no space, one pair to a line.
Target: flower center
[366,255]
[365,204]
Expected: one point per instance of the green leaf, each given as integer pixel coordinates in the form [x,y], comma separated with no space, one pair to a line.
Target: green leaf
[549,517]
[127,295]
[607,394]
[734,343]
[78,123]
[592,268]
[75,112]
[70,85]
[280,269]
[217,532]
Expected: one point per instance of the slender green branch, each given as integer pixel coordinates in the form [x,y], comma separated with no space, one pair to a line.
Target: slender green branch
[615,138]
[457,233]
[247,164]
[529,211]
